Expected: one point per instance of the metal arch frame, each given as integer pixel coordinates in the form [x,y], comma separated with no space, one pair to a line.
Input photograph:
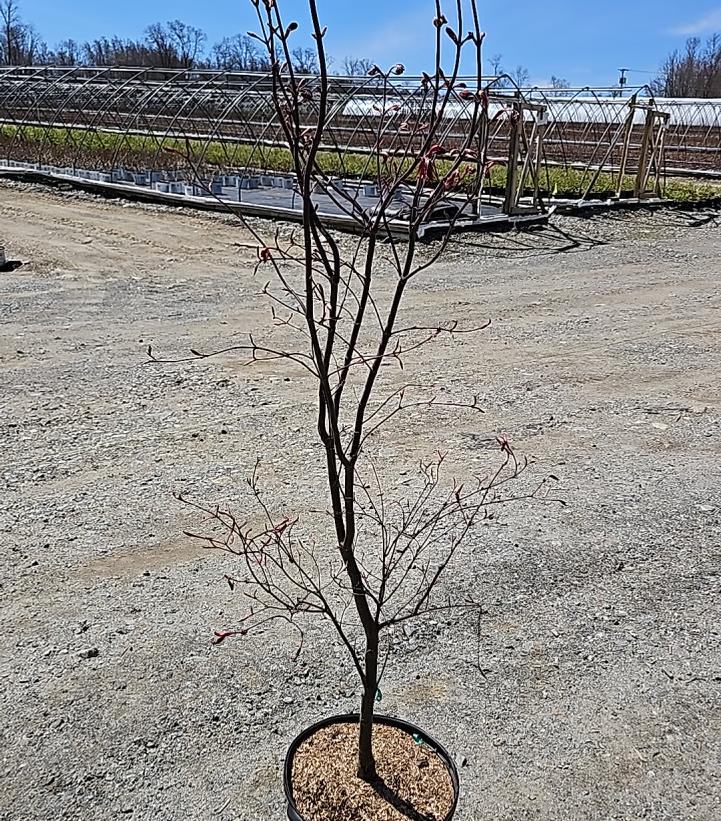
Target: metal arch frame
[167,136]
[118,91]
[78,90]
[207,106]
[11,72]
[23,81]
[50,88]
[223,114]
[135,112]
[558,126]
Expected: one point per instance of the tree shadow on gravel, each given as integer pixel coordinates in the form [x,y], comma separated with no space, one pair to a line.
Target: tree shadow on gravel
[680,217]
[546,241]
[707,219]
[552,239]
[696,219]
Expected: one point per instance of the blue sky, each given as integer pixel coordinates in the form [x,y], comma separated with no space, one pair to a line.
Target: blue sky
[583,41]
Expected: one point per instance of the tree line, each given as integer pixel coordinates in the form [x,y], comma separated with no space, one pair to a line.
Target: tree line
[173,45]
[694,71]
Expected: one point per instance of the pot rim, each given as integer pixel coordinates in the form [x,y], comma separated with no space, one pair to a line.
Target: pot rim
[378,718]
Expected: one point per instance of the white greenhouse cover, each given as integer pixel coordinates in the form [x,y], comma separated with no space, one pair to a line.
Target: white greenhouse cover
[683,111]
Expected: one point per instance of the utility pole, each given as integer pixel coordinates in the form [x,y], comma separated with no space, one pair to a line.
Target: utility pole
[622,80]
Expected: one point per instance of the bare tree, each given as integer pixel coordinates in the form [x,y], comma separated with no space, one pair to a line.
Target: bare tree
[304,60]
[356,66]
[495,61]
[559,83]
[171,45]
[67,53]
[118,52]
[695,72]
[520,76]
[20,43]
[188,42]
[239,53]
[174,44]
[11,23]
[161,46]
[373,561]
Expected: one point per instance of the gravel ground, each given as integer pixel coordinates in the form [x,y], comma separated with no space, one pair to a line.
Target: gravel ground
[601,693]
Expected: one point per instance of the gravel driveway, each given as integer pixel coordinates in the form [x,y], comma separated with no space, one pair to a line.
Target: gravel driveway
[600,696]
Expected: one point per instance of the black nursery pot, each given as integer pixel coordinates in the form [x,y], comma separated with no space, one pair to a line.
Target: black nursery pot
[352,718]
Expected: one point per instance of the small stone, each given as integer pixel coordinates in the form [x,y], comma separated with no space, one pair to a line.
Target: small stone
[461,760]
[89,653]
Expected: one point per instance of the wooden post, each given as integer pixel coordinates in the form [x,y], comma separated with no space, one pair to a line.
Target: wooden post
[481,130]
[643,161]
[525,149]
[511,199]
[626,146]
[661,157]
[540,133]
[657,157]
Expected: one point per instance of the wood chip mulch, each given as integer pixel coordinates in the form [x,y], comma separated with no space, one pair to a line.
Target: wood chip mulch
[414,781]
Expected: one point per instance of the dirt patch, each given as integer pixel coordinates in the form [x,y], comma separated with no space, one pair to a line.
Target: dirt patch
[151,558]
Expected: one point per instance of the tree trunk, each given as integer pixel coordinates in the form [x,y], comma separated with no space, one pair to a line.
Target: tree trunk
[366,761]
